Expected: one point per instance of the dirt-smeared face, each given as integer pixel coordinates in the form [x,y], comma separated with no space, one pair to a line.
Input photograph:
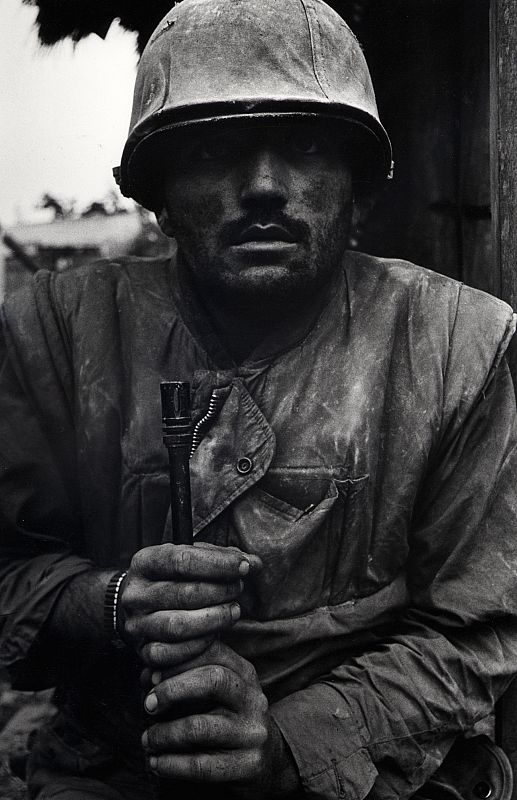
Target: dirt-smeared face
[260,212]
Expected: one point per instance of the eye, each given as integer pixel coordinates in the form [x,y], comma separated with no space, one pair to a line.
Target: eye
[306,143]
[212,148]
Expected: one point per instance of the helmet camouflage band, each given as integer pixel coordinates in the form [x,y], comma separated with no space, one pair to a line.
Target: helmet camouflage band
[218,60]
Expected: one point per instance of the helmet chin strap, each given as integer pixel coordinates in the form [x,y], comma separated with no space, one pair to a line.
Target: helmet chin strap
[163,221]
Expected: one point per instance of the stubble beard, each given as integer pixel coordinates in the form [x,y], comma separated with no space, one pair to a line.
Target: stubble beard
[280,288]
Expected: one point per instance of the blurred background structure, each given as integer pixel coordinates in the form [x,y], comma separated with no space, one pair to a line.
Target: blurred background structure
[70,240]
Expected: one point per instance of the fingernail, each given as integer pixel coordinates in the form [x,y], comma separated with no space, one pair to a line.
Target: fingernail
[145,740]
[153,762]
[244,568]
[151,702]
[235,611]
[156,678]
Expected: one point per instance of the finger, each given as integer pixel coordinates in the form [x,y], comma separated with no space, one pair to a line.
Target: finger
[177,626]
[207,686]
[254,561]
[146,679]
[150,678]
[186,595]
[216,652]
[208,767]
[173,561]
[160,655]
[203,731]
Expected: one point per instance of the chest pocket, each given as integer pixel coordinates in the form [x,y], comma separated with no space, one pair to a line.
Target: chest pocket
[313,556]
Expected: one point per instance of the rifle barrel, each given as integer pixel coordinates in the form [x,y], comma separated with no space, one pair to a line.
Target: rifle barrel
[177,437]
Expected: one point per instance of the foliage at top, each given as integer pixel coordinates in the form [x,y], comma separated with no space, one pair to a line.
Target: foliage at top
[75,19]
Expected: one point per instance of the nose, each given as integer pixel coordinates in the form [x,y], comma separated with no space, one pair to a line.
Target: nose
[265,180]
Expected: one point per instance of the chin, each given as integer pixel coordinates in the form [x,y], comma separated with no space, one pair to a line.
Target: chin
[272,283]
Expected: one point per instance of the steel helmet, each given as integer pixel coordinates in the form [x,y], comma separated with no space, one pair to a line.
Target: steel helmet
[214,60]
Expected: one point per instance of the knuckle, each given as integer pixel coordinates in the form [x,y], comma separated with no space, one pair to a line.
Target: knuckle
[157,737]
[229,612]
[182,558]
[254,735]
[134,566]
[140,560]
[218,678]
[200,770]
[130,598]
[248,671]
[187,596]
[166,550]
[170,597]
[217,650]
[164,693]
[228,592]
[262,704]
[194,647]
[218,617]
[146,654]
[153,653]
[168,691]
[175,626]
[260,735]
[197,729]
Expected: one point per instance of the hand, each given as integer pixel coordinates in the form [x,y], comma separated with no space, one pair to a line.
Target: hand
[227,737]
[176,599]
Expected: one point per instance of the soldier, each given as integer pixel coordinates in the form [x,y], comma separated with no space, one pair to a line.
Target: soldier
[348,610]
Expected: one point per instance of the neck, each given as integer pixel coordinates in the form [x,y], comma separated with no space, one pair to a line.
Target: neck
[269,324]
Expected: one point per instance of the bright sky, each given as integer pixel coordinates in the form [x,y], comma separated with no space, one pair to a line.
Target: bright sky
[64,113]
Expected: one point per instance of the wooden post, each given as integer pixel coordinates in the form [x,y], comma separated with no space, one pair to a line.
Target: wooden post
[503,142]
[3,260]
[503,145]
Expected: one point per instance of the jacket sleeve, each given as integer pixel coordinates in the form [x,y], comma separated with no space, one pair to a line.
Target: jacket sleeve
[381,724]
[40,535]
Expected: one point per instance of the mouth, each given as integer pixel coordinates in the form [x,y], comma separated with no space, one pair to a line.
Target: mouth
[269,235]
[264,233]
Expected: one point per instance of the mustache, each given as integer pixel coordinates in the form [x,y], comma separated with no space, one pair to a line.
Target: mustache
[296,228]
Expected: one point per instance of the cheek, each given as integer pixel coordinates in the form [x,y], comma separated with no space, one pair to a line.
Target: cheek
[327,196]
[196,213]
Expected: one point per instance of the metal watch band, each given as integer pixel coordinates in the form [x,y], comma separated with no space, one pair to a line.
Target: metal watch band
[111,598]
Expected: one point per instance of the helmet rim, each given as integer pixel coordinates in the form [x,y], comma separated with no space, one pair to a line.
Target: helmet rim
[143,146]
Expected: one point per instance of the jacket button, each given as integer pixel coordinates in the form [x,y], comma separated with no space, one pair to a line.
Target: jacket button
[244,465]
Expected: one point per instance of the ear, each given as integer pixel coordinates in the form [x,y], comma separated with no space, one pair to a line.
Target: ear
[357,214]
[163,220]
[362,205]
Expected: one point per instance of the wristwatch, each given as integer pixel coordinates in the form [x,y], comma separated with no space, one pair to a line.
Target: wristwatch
[111,613]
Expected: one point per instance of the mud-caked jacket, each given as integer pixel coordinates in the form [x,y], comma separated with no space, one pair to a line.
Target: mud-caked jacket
[370,461]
